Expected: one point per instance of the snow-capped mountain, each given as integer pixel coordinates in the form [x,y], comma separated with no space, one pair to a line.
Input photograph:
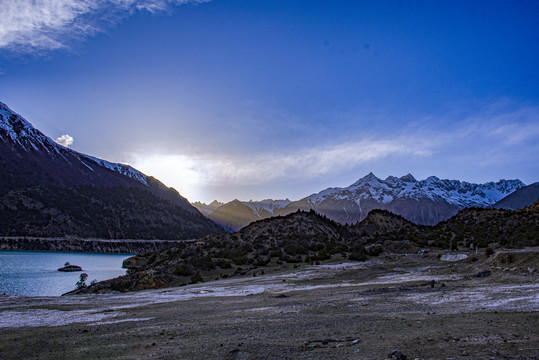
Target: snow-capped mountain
[454,192]
[16,132]
[424,202]
[40,180]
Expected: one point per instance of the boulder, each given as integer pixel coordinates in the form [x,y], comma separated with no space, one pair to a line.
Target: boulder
[135,262]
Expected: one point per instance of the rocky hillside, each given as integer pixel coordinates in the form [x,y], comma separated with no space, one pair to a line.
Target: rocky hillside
[483,226]
[307,238]
[49,190]
[97,212]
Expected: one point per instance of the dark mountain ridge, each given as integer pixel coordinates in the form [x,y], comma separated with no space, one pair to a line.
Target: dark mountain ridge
[49,190]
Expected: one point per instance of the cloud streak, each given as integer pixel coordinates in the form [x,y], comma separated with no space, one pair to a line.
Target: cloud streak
[263,168]
[31,26]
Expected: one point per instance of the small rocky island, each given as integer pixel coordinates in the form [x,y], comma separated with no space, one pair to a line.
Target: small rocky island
[69,268]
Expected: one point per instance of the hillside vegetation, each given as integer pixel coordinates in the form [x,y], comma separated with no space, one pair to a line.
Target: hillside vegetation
[98,212]
[307,238]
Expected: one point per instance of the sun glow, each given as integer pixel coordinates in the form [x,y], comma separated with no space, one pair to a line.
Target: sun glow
[177,171]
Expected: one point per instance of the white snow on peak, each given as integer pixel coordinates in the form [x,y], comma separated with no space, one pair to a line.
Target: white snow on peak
[19,131]
[322,195]
[369,179]
[454,192]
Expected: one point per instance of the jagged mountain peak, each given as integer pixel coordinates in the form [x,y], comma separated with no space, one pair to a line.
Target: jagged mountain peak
[392,179]
[370,178]
[10,117]
[408,178]
[16,130]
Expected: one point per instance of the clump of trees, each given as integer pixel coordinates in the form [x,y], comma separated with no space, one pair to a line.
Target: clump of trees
[81,284]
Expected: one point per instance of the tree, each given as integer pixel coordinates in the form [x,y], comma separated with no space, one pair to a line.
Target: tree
[81,284]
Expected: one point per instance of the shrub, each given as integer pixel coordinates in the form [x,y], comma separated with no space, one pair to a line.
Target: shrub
[184,270]
[261,262]
[223,263]
[196,278]
[507,259]
[358,255]
[203,262]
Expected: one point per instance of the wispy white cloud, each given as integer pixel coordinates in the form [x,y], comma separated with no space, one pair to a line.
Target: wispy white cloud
[500,128]
[64,140]
[215,169]
[500,135]
[38,25]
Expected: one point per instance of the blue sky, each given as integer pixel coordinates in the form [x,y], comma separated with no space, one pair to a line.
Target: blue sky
[227,99]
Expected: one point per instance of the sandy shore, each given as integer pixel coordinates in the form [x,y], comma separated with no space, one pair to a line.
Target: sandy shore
[421,306]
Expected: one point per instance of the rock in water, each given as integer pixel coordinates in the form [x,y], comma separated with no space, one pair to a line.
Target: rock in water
[69,268]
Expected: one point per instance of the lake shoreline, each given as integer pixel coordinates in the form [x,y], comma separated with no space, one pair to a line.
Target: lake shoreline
[94,246]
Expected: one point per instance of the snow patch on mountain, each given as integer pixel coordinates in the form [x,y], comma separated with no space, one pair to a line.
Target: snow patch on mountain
[19,131]
[122,169]
[322,195]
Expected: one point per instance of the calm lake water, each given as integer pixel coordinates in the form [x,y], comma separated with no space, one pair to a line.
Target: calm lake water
[32,273]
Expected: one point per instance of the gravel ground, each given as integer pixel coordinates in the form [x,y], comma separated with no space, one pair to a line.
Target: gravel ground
[421,306]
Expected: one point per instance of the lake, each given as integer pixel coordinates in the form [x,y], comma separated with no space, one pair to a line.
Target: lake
[33,273]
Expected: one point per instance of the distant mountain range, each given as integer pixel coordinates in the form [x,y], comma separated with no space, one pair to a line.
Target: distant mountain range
[236,214]
[49,190]
[425,202]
